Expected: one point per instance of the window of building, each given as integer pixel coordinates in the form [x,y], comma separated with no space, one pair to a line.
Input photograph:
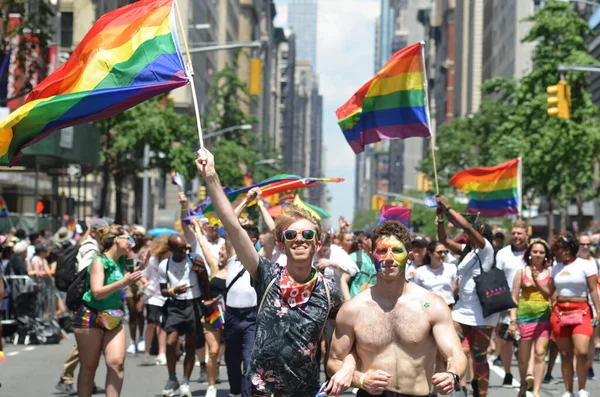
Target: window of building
[66,29]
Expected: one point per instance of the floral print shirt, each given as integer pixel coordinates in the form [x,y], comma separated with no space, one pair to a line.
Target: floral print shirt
[283,359]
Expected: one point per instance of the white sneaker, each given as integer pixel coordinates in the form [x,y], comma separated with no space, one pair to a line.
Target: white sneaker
[583,393]
[141,345]
[355,390]
[197,363]
[184,390]
[131,349]
[568,394]
[161,359]
[211,392]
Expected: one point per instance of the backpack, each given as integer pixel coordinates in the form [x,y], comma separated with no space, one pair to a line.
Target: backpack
[76,290]
[66,268]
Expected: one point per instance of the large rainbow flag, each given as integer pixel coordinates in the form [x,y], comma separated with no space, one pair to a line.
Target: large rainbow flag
[130,55]
[493,191]
[392,105]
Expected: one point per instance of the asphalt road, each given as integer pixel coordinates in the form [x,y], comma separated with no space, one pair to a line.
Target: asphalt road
[34,371]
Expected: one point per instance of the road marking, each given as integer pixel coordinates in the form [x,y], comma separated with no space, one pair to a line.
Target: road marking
[12,354]
[28,349]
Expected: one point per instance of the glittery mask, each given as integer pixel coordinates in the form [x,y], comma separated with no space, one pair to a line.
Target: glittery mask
[389,249]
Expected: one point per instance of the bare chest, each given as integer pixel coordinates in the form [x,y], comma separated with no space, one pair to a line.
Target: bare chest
[406,325]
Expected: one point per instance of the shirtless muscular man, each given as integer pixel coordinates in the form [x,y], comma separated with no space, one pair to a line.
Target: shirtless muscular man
[386,337]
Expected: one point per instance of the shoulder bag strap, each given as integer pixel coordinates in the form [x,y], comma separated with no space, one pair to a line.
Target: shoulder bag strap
[236,278]
[328,307]
[262,301]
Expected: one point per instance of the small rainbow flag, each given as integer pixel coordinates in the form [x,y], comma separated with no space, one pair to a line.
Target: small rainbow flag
[392,105]
[395,213]
[176,179]
[493,191]
[130,55]
[3,208]
[217,317]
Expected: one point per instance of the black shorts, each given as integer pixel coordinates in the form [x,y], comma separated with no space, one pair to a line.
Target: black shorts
[362,393]
[183,317]
[503,333]
[155,314]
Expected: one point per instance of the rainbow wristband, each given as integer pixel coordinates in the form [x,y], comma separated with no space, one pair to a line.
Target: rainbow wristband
[172,291]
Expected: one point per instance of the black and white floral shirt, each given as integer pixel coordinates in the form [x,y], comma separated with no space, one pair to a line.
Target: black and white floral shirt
[283,358]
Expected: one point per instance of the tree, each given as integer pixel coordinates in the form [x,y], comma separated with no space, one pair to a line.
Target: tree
[156,123]
[236,152]
[25,39]
[558,155]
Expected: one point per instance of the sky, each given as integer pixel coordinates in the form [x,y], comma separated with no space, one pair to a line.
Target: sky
[345,52]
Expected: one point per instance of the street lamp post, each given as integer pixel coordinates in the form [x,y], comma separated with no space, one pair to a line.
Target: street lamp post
[228,46]
[228,129]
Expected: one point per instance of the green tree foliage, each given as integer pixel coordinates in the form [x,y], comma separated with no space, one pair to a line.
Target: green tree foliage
[236,152]
[26,40]
[558,155]
[156,123]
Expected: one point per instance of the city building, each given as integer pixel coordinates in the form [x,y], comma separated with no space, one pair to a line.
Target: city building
[302,18]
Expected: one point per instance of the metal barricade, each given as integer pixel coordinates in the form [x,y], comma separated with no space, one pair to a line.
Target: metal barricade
[35,298]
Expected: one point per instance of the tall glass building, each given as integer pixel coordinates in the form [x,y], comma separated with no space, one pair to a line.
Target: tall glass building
[302,17]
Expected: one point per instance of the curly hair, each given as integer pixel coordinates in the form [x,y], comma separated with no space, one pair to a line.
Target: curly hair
[565,240]
[292,214]
[107,236]
[160,245]
[392,228]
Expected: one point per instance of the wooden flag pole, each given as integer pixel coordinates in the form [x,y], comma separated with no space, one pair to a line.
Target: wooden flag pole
[190,73]
[437,187]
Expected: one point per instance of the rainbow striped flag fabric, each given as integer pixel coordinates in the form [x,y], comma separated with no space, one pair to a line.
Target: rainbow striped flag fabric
[129,56]
[392,105]
[493,191]
[176,179]
[395,213]
[217,317]
[3,208]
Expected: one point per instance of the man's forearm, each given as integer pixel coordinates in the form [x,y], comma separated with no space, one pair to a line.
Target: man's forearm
[269,222]
[457,363]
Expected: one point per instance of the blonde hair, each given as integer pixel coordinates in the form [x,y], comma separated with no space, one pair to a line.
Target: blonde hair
[292,214]
[107,236]
[160,245]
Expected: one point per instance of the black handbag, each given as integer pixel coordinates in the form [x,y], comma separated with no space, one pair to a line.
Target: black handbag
[493,291]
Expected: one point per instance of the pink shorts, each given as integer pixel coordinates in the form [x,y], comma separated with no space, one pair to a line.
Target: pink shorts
[530,331]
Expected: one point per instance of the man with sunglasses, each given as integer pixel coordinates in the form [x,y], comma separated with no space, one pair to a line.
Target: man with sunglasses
[510,260]
[183,280]
[295,301]
[387,337]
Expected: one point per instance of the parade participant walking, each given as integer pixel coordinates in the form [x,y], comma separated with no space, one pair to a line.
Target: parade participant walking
[438,277]
[295,301]
[477,254]
[183,280]
[510,260]
[419,247]
[572,321]
[378,323]
[134,295]
[88,250]
[155,308]
[213,308]
[367,275]
[584,252]
[98,322]
[532,315]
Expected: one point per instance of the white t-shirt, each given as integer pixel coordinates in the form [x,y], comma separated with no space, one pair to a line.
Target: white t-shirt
[571,279]
[439,281]
[180,273]
[242,294]
[342,259]
[155,297]
[409,273]
[510,262]
[468,308]
[214,247]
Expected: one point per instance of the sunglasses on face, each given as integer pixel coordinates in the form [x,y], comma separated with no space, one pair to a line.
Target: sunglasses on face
[443,252]
[130,239]
[290,235]
[178,249]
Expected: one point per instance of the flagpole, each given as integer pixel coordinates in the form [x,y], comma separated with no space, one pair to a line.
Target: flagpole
[432,140]
[520,187]
[189,70]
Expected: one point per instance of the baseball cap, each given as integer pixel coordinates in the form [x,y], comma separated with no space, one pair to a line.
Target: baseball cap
[419,242]
[98,223]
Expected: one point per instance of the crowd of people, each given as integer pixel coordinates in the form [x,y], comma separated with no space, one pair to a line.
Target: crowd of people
[382,312]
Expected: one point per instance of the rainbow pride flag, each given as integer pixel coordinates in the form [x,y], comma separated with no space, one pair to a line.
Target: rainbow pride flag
[217,317]
[392,105]
[3,208]
[493,191]
[395,213]
[176,179]
[129,56]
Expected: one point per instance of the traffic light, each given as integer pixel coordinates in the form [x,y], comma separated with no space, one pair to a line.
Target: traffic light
[377,201]
[201,193]
[559,100]
[407,203]
[255,85]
